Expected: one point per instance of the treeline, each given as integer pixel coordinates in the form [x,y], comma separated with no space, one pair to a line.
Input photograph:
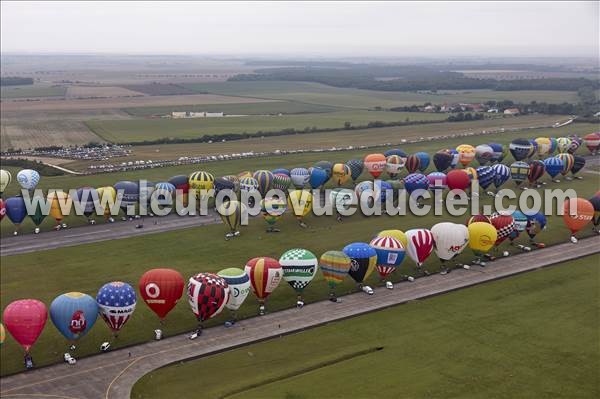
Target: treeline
[409,79]
[41,168]
[465,116]
[15,81]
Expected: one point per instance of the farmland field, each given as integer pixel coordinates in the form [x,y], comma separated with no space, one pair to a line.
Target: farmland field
[159,89]
[76,91]
[151,129]
[26,134]
[504,339]
[355,98]
[31,91]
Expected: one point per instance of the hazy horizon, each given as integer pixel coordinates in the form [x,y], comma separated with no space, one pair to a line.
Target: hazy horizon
[353,29]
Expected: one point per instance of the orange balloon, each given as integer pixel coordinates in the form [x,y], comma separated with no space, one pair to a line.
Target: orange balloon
[583,214]
[375,164]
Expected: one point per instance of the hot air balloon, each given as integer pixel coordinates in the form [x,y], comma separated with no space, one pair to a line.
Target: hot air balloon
[235,180]
[239,287]
[416,181]
[483,154]
[521,221]
[420,245]
[567,162]
[2,334]
[536,170]
[39,215]
[28,179]
[397,234]
[577,218]
[326,166]
[107,196]
[87,197]
[281,182]
[2,209]
[458,179]
[164,190]
[15,211]
[394,151]
[504,224]
[485,176]
[265,275]
[231,215]
[340,173]
[563,144]
[334,266]
[356,168]
[5,179]
[390,254]
[60,206]
[413,163]
[366,187]
[455,158]
[575,144]
[543,146]
[226,188]
[437,181]
[532,149]
[466,154]
[375,164]
[300,202]
[482,237]
[265,181]
[578,164]
[299,177]
[128,195]
[519,171]
[299,268]
[536,222]
[442,160]
[501,174]
[553,166]
[248,184]
[499,152]
[591,141]
[73,314]
[25,320]
[595,201]
[318,177]
[363,259]
[116,303]
[553,145]
[394,164]
[449,240]
[423,160]
[207,295]
[201,181]
[161,289]
[520,148]
[281,171]
[272,208]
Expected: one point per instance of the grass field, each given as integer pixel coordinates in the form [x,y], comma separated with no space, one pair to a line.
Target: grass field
[31,91]
[31,134]
[529,336]
[150,129]
[76,91]
[355,98]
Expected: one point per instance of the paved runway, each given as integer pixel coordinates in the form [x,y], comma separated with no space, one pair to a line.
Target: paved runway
[112,375]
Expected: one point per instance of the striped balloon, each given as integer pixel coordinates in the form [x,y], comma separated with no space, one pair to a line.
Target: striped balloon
[520,148]
[265,181]
[334,266]
[536,170]
[485,176]
[299,177]
[265,275]
[248,184]
[416,181]
[420,245]
[394,164]
[501,174]
[390,254]
[553,165]
[563,144]
[567,162]
[413,163]
[201,181]
[519,171]
[281,181]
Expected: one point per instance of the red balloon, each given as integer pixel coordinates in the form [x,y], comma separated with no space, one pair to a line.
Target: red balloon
[207,295]
[504,224]
[2,209]
[584,212]
[413,163]
[25,319]
[458,179]
[161,289]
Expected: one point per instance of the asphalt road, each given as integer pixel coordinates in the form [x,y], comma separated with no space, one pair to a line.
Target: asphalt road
[112,375]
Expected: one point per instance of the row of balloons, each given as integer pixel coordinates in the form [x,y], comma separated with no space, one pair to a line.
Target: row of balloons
[74,313]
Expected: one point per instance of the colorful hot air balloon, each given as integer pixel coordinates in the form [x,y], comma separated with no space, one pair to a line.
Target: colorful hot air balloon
[60,205]
[413,163]
[592,142]
[501,174]
[578,164]
[201,181]
[563,144]
[577,218]
[356,168]
[318,177]
[300,202]
[567,162]
[442,160]
[340,173]
[536,222]
[575,144]
[390,254]
[449,240]
[504,224]
[499,152]
[15,211]
[281,181]
[272,208]
[416,181]
[299,177]
[24,320]
[521,221]
[536,170]
[231,215]
[484,153]
[482,237]
[248,184]
[394,164]
[239,287]
[265,275]
[458,179]
[2,209]
[334,266]
[116,303]
[207,295]
[2,334]
[181,182]
[363,260]
[520,148]
[437,181]
[161,289]
[397,234]
[543,146]
[28,179]
[466,154]
[281,171]
[532,149]
[553,166]
[299,268]
[128,194]
[326,166]
[423,160]
[5,179]
[107,196]
[375,164]
[420,245]
[265,181]
[519,171]
[553,145]
[73,314]
[485,176]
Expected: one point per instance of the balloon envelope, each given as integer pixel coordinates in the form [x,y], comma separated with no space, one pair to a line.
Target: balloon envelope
[334,266]
[207,295]
[299,267]
[239,286]
[577,218]
[265,275]
[363,259]
[420,245]
[116,303]
[482,237]
[161,289]
[73,314]
[15,209]
[450,239]
[24,320]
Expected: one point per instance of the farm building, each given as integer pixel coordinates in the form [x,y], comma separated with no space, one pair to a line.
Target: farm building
[188,114]
[511,111]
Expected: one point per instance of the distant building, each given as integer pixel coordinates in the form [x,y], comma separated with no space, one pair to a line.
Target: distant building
[181,114]
[511,111]
[493,110]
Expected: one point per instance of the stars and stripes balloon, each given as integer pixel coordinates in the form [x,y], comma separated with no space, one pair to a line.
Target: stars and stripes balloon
[116,304]
[207,295]
[390,254]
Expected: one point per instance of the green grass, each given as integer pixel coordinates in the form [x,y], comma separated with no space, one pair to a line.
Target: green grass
[151,129]
[530,336]
[262,108]
[32,91]
[355,98]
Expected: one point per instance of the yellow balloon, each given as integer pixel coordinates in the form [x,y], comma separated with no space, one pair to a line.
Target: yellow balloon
[482,237]
[60,205]
[110,193]
[300,202]
[5,179]
[466,154]
[543,145]
[397,234]
[201,181]
[243,174]
[340,173]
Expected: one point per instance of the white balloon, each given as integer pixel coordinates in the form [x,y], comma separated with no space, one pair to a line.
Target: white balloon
[450,239]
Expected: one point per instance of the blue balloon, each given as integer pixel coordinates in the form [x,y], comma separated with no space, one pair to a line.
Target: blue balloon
[553,166]
[15,209]
[360,254]
[282,171]
[498,154]
[455,158]
[129,192]
[424,160]
[381,187]
[318,177]
[416,181]
[395,151]
[73,314]
[501,174]
[485,176]
[165,186]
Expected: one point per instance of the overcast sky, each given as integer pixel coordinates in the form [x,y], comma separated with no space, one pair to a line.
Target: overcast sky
[304,28]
